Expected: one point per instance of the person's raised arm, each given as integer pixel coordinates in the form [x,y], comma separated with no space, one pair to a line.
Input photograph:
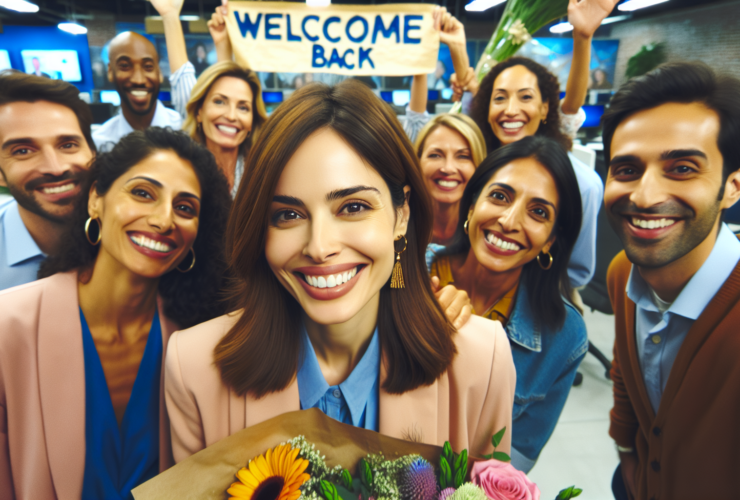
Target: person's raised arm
[217,27]
[452,34]
[173,35]
[586,17]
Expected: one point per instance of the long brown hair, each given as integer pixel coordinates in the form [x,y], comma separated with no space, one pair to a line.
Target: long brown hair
[260,353]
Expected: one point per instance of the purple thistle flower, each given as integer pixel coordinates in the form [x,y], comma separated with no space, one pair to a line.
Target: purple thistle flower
[446,493]
[418,481]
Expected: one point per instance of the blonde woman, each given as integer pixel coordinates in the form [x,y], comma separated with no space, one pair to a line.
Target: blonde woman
[450,147]
[223,109]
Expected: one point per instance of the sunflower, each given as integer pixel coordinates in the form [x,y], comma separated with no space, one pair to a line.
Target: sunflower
[276,475]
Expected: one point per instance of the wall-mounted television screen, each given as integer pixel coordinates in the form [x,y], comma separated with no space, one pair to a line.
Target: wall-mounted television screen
[55,64]
[4,60]
[110,96]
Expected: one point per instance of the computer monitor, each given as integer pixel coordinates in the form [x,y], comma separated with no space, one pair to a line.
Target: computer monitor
[55,64]
[272,97]
[110,96]
[593,116]
[5,60]
[401,97]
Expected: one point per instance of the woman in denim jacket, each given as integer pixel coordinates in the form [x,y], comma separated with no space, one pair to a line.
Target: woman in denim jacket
[520,216]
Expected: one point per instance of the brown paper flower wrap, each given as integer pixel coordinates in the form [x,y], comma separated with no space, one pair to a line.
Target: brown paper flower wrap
[208,473]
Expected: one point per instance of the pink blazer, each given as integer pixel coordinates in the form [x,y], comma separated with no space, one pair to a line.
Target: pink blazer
[42,391]
[465,406]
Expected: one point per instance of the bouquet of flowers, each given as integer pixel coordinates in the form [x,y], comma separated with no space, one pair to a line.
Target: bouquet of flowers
[520,19]
[384,468]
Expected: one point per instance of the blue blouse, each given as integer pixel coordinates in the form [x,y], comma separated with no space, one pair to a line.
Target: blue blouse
[354,401]
[119,459]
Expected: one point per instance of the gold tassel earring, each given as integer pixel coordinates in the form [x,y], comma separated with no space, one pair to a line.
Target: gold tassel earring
[397,276]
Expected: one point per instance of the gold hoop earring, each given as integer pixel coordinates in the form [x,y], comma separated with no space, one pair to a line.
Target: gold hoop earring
[192,264]
[549,264]
[465,226]
[87,231]
[397,276]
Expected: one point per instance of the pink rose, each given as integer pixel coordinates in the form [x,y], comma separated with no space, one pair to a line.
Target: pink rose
[501,481]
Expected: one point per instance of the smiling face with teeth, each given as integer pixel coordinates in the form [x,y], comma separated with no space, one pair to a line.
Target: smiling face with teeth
[42,155]
[134,70]
[226,114]
[149,216]
[330,240]
[516,109]
[665,190]
[446,164]
[513,218]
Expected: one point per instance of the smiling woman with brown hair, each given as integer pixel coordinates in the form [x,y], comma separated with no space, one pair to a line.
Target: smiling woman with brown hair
[333,205]
[83,412]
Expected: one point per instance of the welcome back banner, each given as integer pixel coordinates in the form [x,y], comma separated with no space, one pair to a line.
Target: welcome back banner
[390,39]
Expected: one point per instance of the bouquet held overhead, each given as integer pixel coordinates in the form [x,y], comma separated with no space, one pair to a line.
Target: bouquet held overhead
[307,455]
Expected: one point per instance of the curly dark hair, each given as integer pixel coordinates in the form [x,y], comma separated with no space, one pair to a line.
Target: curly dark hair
[549,89]
[189,298]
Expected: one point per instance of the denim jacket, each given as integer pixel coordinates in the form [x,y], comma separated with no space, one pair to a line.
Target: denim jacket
[546,361]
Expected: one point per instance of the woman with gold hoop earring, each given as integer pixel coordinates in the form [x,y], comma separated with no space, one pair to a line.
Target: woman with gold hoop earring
[327,240]
[522,215]
[92,332]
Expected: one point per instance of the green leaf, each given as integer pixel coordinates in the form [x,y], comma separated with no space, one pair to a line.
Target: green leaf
[329,490]
[496,439]
[459,477]
[447,452]
[501,456]
[463,464]
[445,475]
[565,493]
[576,492]
[489,456]
[366,474]
[346,494]
[347,479]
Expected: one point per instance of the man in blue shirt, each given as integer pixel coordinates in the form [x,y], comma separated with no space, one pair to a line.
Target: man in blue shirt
[134,70]
[45,146]
[671,143]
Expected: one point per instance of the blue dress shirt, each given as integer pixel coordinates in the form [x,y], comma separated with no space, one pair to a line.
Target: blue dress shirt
[111,131]
[117,459]
[354,401]
[659,336]
[20,256]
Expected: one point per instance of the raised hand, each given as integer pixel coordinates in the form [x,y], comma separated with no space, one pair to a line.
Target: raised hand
[168,7]
[451,31]
[586,15]
[217,24]
[469,84]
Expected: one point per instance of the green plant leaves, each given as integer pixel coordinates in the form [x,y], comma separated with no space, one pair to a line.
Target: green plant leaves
[366,474]
[496,439]
[568,493]
[347,479]
[329,491]
[501,456]
[445,474]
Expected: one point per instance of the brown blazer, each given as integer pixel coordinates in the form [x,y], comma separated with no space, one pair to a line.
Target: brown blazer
[42,391]
[466,405]
[691,448]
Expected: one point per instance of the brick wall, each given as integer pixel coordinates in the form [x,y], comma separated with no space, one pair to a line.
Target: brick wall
[709,33]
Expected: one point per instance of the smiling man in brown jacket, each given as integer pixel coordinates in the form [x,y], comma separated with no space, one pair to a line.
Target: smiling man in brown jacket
[672,142]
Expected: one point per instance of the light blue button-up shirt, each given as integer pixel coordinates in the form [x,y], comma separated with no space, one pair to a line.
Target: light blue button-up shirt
[111,131]
[20,256]
[354,401]
[659,336]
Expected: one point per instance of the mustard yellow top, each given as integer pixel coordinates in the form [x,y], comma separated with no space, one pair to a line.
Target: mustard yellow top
[500,311]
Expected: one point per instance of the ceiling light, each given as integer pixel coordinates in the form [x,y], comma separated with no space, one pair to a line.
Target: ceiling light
[189,17]
[631,5]
[561,28]
[318,3]
[74,28]
[614,19]
[481,5]
[19,5]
